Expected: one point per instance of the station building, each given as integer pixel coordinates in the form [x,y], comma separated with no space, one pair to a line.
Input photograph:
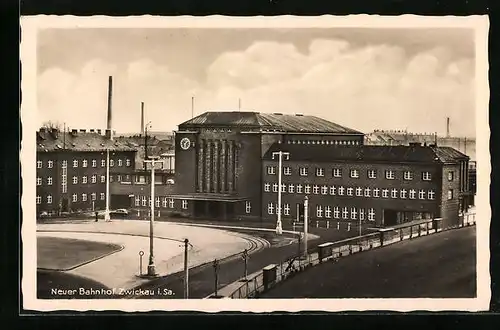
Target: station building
[225,170]
[218,158]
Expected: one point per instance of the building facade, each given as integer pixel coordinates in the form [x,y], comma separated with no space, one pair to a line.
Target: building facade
[133,191]
[218,158]
[71,169]
[382,185]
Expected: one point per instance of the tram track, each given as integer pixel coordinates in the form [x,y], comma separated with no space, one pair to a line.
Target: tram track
[256,244]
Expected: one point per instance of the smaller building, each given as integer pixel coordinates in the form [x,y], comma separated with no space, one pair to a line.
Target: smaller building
[133,191]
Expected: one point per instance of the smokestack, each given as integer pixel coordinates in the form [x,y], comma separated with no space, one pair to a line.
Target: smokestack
[109,129]
[142,118]
[447,126]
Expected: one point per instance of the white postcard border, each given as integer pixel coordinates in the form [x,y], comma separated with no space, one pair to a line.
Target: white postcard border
[30,26]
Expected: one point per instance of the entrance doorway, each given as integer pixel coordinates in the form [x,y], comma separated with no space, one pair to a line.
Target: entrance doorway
[64,205]
[390,218]
[216,210]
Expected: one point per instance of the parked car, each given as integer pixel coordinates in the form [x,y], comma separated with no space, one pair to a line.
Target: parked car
[119,213]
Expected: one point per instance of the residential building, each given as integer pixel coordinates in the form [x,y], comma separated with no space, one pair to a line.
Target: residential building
[71,169]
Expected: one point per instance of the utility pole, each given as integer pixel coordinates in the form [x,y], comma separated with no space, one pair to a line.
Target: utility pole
[360,231]
[244,256]
[216,273]
[151,266]
[146,140]
[192,107]
[186,269]
[280,154]
[306,220]
[64,136]
[106,213]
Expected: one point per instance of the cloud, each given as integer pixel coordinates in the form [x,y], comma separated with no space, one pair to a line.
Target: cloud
[374,86]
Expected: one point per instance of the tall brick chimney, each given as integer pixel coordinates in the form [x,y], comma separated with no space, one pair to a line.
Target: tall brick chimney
[109,128]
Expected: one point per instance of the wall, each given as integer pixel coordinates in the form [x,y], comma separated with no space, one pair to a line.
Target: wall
[185,164]
[249,175]
[450,207]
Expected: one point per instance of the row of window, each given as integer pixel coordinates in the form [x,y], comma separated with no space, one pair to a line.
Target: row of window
[84,180]
[85,163]
[329,212]
[350,191]
[170,203]
[83,198]
[354,173]
[328,142]
[94,179]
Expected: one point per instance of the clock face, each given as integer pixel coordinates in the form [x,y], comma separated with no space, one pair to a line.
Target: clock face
[185,143]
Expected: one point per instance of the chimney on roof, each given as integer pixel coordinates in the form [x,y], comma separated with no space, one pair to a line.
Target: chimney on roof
[447,126]
[54,132]
[109,132]
[142,118]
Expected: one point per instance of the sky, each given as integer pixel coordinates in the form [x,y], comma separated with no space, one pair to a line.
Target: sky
[362,78]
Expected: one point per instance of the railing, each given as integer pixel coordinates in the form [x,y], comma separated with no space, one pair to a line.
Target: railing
[332,251]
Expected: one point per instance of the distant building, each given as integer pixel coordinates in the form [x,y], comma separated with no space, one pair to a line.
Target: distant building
[465,145]
[71,169]
[155,147]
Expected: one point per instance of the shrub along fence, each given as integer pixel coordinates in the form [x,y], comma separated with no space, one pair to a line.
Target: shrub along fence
[332,251]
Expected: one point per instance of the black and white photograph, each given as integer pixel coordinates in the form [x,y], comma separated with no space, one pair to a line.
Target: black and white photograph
[255,164]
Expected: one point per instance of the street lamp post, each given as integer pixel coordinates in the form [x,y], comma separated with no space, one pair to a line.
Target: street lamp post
[360,231]
[186,269]
[151,266]
[280,154]
[106,213]
[306,220]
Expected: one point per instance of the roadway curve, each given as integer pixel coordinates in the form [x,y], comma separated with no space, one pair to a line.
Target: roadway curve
[438,266]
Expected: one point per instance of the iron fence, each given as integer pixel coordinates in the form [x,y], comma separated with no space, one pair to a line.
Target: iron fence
[332,251]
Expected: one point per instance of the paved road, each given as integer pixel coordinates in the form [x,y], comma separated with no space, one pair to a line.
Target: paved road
[439,266]
[201,279]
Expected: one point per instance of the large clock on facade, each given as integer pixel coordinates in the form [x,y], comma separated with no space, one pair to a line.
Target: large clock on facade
[185,143]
